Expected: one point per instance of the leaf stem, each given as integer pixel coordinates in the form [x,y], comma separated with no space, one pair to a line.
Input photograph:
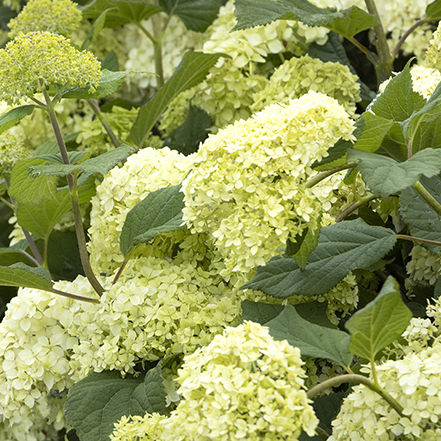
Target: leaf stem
[384,65]
[406,34]
[74,296]
[72,182]
[354,206]
[360,379]
[96,108]
[427,197]
[33,247]
[418,239]
[28,256]
[371,55]
[323,175]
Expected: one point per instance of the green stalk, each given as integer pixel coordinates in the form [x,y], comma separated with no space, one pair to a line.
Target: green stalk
[74,296]
[325,174]
[34,248]
[354,206]
[384,66]
[72,182]
[427,197]
[359,379]
[418,239]
[406,34]
[96,108]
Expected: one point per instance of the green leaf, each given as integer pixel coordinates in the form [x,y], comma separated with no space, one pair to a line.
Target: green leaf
[100,164]
[27,190]
[259,312]
[121,13]
[308,245]
[98,401]
[96,28]
[52,146]
[374,130]
[421,219]
[188,136]
[380,322]
[193,68]
[9,256]
[109,83]
[110,62]
[312,340]
[20,274]
[9,119]
[348,22]
[159,212]
[433,11]
[341,248]
[385,176]
[196,15]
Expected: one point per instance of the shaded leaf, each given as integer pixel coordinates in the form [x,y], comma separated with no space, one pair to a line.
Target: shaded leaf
[20,274]
[98,401]
[312,340]
[380,322]
[386,177]
[95,29]
[259,312]
[9,119]
[159,212]
[192,69]
[341,248]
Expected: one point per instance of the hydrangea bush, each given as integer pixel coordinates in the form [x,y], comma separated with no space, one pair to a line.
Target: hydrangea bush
[221,220]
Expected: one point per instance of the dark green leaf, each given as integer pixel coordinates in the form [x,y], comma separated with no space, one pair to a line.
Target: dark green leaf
[437,292]
[95,403]
[95,29]
[121,13]
[100,164]
[312,340]
[109,83]
[348,22]
[308,245]
[159,212]
[385,176]
[10,256]
[9,119]
[379,323]
[192,70]
[259,312]
[52,146]
[197,15]
[341,248]
[433,10]
[110,62]
[188,136]
[20,274]
[374,130]
[421,219]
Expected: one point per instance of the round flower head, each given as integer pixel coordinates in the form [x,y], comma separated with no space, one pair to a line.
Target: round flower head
[425,80]
[34,61]
[243,385]
[57,16]
[11,151]
[146,428]
[433,55]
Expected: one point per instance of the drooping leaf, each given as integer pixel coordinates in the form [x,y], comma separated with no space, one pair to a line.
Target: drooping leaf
[9,119]
[348,22]
[121,12]
[192,69]
[95,29]
[341,248]
[421,219]
[27,276]
[386,177]
[159,212]
[100,164]
[380,322]
[109,83]
[98,401]
[196,15]
[27,190]
[188,136]
[312,340]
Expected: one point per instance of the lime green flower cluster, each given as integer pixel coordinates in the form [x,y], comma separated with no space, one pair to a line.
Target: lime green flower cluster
[247,185]
[121,189]
[425,80]
[56,16]
[413,378]
[424,267]
[11,151]
[298,75]
[32,62]
[242,385]
[147,428]
[433,55]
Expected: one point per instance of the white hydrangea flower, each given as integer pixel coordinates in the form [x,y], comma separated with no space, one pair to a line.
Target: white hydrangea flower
[425,80]
[146,428]
[246,188]
[242,385]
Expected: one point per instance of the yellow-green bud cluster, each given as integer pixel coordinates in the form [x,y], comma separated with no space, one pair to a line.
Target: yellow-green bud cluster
[297,76]
[433,54]
[32,62]
[56,16]
[11,151]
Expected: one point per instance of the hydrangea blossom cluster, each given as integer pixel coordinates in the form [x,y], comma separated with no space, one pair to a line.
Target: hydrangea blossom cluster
[433,55]
[298,75]
[424,267]
[11,151]
[24,71]
[56,16]
[146,428]
[247,189]
[242,385]
[425,80]
[121,189]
